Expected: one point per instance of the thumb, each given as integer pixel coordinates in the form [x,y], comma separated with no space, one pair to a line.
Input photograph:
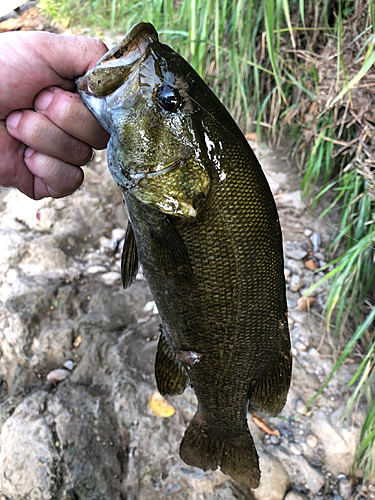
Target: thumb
[68,56]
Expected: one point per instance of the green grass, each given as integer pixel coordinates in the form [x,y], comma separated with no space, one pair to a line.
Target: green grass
[265,60]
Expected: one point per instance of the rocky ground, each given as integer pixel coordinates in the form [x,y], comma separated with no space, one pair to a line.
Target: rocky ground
[77,355]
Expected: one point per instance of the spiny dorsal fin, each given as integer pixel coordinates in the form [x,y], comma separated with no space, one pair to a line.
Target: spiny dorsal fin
[129,259]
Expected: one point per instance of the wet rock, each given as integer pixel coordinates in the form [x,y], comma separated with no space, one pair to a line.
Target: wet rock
[274,480]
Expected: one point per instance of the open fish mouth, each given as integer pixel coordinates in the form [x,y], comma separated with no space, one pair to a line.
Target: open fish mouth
[116,66]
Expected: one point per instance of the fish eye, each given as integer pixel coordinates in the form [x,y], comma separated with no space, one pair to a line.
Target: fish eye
[168,98]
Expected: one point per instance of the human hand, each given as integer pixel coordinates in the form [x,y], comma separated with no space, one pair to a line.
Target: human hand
[46,132]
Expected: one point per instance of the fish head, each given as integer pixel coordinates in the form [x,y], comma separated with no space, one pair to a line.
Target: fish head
[143,94]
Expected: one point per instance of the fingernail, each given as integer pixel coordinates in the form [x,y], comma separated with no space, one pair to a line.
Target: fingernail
[28,152]
[13,119]
[43,100]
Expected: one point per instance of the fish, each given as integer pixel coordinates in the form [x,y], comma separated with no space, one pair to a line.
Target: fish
[204,226]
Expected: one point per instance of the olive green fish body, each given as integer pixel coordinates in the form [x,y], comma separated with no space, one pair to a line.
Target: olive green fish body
[204,225]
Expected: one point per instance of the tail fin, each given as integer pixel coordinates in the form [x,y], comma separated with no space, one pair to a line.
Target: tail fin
[235,456]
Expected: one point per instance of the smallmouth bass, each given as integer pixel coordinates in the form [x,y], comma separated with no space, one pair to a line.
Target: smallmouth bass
[204,225]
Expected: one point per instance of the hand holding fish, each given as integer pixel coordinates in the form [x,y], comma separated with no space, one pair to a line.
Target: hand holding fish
[46,132]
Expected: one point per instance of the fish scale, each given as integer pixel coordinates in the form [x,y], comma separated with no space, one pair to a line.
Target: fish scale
[204,225]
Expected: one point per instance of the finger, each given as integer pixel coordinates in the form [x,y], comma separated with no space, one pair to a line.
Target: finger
[52,176]
[68,112]
[69,56]
[13,171]
[39,133]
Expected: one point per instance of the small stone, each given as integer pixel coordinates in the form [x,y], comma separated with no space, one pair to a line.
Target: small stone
[295,254]
[58,375]
[118,234]
[312,441]
[274,439]
[151,307]
[308,232]
[291,303]
[294,266]
[300,346]
[319,256]
[111,277]
[69,365]
[105,242]
[287,273]
[315,240]
[292,296]
[295,283]
[345,488]
[294,495]
[295,449]
[96,269]
[300,407]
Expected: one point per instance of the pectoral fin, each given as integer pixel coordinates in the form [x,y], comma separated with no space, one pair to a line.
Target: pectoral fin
[129,259]
[170,254]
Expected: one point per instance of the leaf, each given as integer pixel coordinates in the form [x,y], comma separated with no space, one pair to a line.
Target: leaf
[160,406]
[310,264]
[262,424]
[305,302]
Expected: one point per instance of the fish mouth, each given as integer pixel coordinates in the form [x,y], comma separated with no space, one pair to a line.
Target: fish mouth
[116,66]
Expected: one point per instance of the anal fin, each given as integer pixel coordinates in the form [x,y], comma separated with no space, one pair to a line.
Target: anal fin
[269,395]
[171,376]
[129,258]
